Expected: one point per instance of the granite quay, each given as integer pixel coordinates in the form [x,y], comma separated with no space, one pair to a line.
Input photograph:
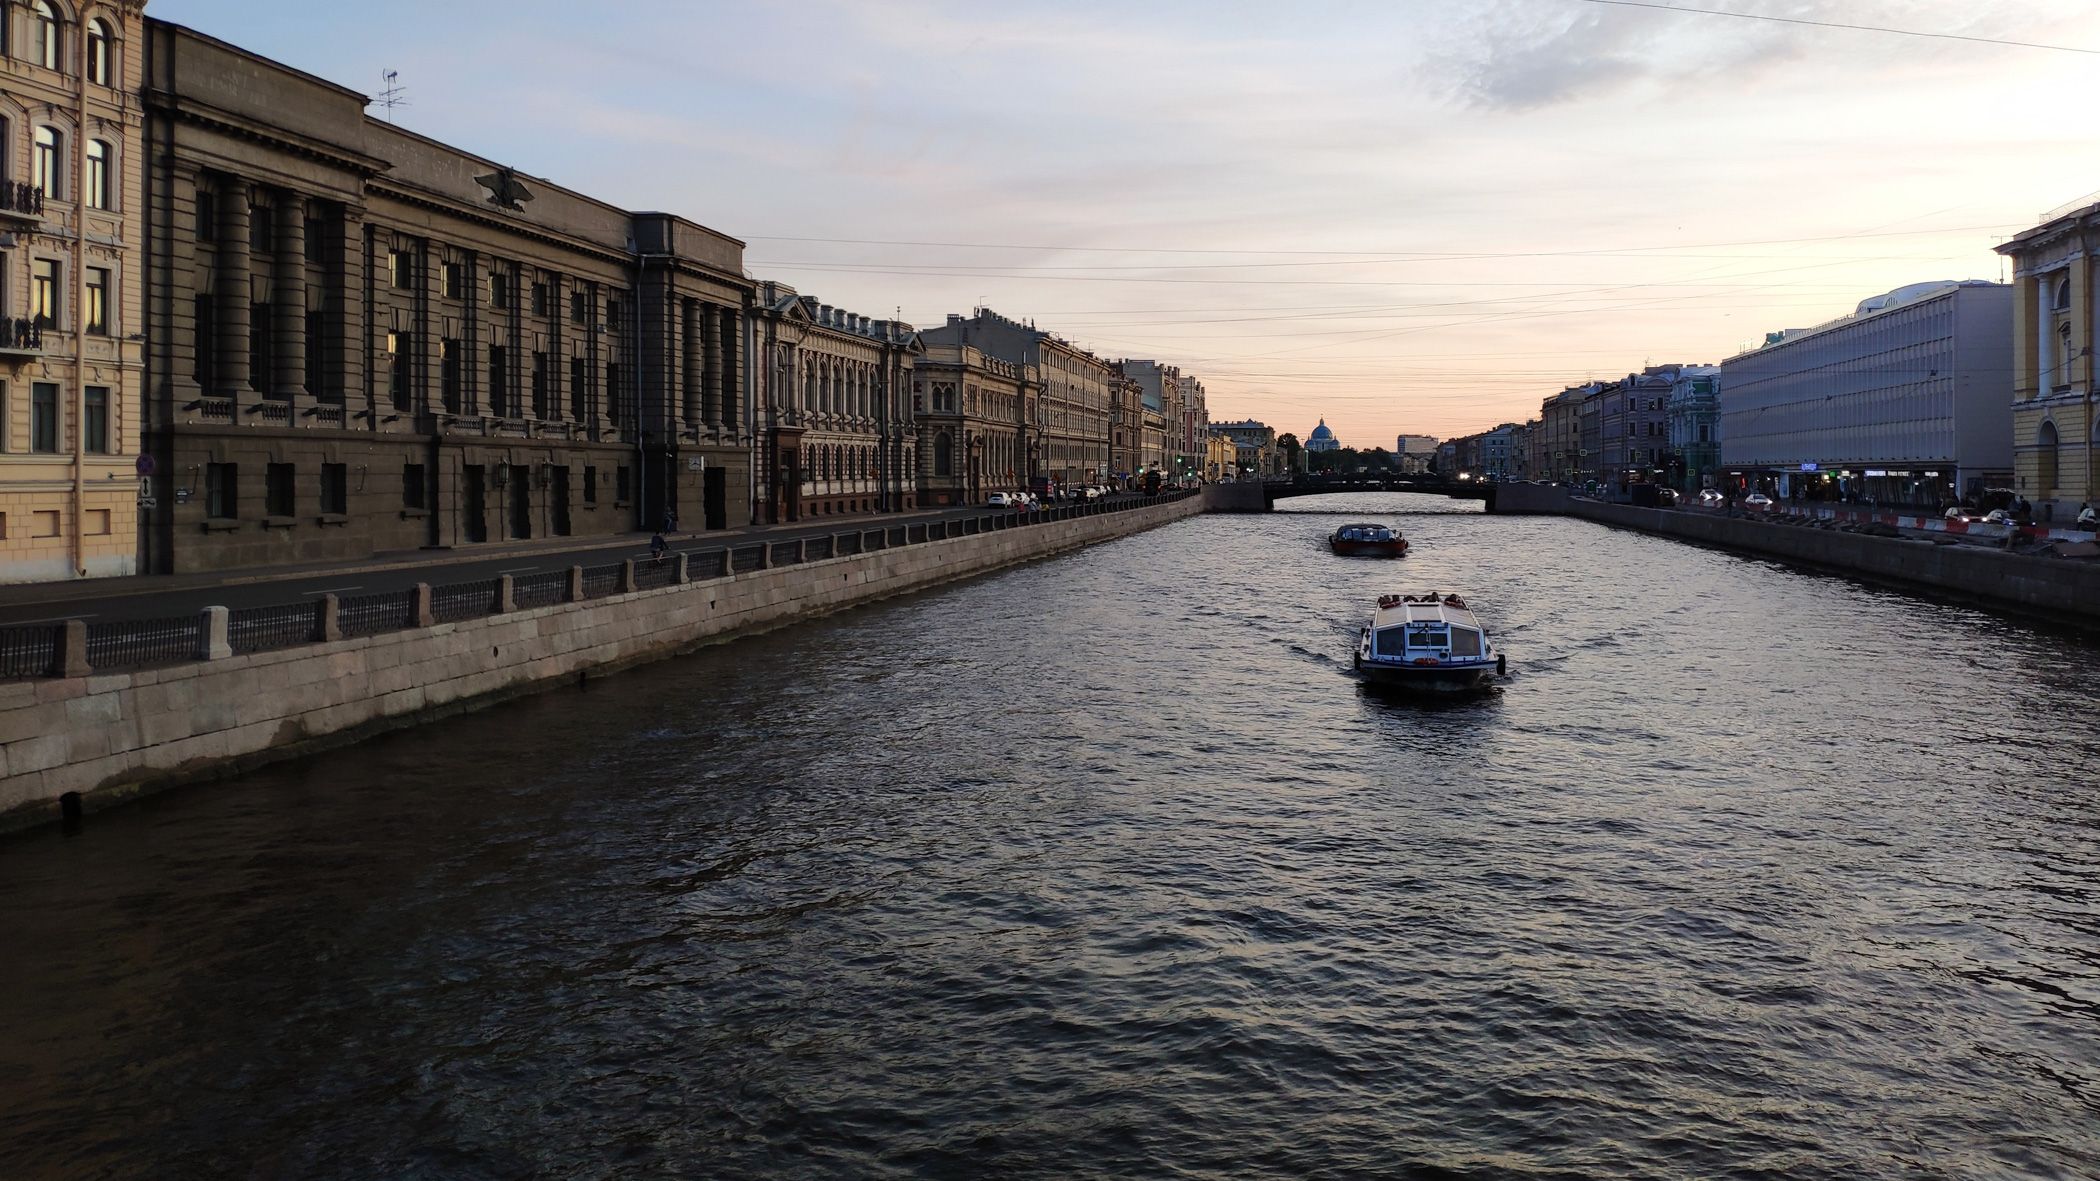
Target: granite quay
[107,712]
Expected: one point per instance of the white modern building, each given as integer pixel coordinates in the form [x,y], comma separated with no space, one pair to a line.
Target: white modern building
[1903,402]
[1415,453]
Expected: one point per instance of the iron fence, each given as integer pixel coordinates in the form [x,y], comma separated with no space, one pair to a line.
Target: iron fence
[848,544]
[712,563]
[266,629]
[539,590]
[136,643]
[657,573]
[462,600]
[749,557]
[818,548]
[369,615]
[784,553]
[29,651]
[600,581]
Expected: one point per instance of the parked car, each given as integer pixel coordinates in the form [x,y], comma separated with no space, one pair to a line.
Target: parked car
[999,500]
[1711,498]
[1758,501]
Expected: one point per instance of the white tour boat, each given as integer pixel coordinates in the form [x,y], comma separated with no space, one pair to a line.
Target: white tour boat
[1432,643]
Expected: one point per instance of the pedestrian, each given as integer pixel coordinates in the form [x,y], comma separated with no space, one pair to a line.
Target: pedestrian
[658,547]
[2088,520]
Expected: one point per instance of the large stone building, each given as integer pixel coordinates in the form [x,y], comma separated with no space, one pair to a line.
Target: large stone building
[1162,397]
[1902,402]
[1254,444]
[1634,427]
[1067,429]
[971,409]
[1695,428]
[2055,424]
[1558,442]
[1192,413]
[1126,398]
[835,420]
[72,217]
[362,339]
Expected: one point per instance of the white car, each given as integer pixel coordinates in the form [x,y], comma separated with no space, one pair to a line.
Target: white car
[1758,501]
[999,500]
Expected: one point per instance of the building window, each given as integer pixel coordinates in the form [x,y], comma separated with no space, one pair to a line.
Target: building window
[577,403]
[96,314]
[499,381]
[222,496]
[280,489]
[207,215]
[261,346]
[98,54]
[943,455]
[539,299]
[617,395]
[397,369]
[335,488]
[455,280]
[577,306]
[590,485]
[46,167]
[448,373]
[404,270]
[96,420]
[612,315]
[43,418]
[318,352]
[2060,298]
[412,485]
[499,289]
[205,345]
[97,181]
[43,35]
[261,228]
[2045,457]
[623,484]
[540,403]
[44,289]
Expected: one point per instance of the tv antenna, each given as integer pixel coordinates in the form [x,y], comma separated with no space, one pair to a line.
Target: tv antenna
[391,93]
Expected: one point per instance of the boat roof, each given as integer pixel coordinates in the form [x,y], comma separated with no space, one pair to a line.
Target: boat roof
[1429,608]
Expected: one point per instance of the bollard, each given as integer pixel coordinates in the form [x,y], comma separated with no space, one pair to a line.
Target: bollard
[626,577]
[72,645]
[800,552]
[765,555]
[419,606]
[329,626]
[575,594]
[506,595]
[680,574]
[211,634]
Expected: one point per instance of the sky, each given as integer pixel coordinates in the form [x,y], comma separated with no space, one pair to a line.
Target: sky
[1399,217]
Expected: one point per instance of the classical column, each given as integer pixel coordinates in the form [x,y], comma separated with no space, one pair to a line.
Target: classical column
[690,372]
[232,294]
[345,313]
[289,346]
[711,381]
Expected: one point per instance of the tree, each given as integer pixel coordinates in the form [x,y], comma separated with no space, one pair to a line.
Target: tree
[1290,446]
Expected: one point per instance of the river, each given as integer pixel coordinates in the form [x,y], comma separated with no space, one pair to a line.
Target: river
[1105,867]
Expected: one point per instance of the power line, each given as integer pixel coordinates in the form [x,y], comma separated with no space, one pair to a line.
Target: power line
[1795,20]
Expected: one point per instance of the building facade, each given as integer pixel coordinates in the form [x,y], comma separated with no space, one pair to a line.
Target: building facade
[1254,447]
[972,409]
[2055,423]
[1414,454]
[1695,428]
[1126,399]
[1159,401]
[1902,402]
[1562,459]
[362,339]
[1634,428]
[835,424]
[72,216]
[1067,430]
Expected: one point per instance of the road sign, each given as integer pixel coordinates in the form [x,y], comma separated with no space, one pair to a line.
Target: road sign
[148,502]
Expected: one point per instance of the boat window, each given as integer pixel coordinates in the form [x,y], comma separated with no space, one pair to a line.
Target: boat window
[1426,637]
[1465,642]
[1391,642]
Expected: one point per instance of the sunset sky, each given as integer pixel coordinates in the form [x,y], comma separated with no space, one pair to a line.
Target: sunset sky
[1402,217]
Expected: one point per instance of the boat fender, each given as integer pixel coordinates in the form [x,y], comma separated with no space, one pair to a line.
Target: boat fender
[1501,665]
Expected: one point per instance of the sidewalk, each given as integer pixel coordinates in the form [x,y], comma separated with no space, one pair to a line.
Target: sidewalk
[35,593]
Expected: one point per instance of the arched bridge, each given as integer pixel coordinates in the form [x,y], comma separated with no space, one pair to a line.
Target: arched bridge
[1430,485]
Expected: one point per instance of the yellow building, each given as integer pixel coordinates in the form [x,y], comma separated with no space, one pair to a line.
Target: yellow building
[1221,457]
[2052,378]
[70,292]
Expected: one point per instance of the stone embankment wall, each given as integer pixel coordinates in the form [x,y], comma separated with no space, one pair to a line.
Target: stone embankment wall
[92,740]
[2054,589]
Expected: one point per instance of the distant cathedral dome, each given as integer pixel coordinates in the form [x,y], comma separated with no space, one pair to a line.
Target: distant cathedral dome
[1322,439]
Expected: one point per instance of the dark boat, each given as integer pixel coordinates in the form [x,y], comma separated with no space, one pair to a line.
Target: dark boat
[1427,643]
[1367,540]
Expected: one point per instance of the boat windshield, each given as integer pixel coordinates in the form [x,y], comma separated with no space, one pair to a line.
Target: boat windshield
[1364,533]
[1465,642]
[1392,641]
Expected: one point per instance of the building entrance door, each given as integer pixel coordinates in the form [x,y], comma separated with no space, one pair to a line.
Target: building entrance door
[558,500]
[714,493]
[473,506]
[520,501]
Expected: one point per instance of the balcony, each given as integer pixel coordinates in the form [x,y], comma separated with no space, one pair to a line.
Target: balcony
[21,202]
[20,337]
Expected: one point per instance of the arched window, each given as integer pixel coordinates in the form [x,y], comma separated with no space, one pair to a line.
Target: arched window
[2060,298]
[96,183]
[46,167]
[98,53]
[43,34]
[943,455]
[2045,457]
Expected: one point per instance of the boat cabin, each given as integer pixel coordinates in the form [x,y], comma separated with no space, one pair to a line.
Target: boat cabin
[1365,532]
[1431,627]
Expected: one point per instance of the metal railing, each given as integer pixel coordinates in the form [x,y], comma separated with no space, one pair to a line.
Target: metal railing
[21,334]
[266,629]
[136,643]
[22,197]
[41,650]
[30,651]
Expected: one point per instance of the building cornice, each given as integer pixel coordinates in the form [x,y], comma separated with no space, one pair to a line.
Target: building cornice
[198,114]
